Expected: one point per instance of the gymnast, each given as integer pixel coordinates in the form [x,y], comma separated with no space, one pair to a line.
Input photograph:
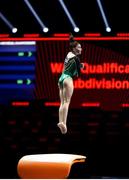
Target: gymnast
[70,71]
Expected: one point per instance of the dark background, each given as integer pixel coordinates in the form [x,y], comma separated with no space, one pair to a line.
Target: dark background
[101,135]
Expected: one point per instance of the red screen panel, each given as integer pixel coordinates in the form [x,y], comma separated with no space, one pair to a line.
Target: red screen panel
[104,81]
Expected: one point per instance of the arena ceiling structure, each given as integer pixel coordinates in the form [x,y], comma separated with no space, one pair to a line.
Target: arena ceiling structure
[31,16]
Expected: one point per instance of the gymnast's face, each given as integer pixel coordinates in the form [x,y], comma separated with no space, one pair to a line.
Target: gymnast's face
[78,49]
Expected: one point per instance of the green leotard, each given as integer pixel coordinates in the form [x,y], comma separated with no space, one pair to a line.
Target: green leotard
[71,69]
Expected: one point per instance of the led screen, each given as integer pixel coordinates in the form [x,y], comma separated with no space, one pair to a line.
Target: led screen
[104,81]
[17,71]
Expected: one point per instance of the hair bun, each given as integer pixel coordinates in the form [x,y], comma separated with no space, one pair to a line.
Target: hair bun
[71,38]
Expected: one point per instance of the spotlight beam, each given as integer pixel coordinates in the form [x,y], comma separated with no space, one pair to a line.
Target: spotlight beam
[6,21]
[68,13]
[35,14]
[103,14]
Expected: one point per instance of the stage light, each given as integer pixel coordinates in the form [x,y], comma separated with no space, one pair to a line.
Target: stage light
[108,29]
[14,30]
[45,29]
[8,23]
[76,29]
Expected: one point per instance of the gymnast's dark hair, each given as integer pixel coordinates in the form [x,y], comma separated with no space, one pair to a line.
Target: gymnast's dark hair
[72,42]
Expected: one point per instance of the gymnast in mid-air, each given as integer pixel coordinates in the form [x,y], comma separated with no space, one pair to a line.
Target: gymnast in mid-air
[70,71]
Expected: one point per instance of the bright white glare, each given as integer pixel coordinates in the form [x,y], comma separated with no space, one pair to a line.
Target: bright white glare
[108,29]
[45,29]
[17,43]
[56,158]
[14,30]
[76,29]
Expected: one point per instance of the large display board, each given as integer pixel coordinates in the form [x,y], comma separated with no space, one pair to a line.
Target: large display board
[17,71]
[104,79]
